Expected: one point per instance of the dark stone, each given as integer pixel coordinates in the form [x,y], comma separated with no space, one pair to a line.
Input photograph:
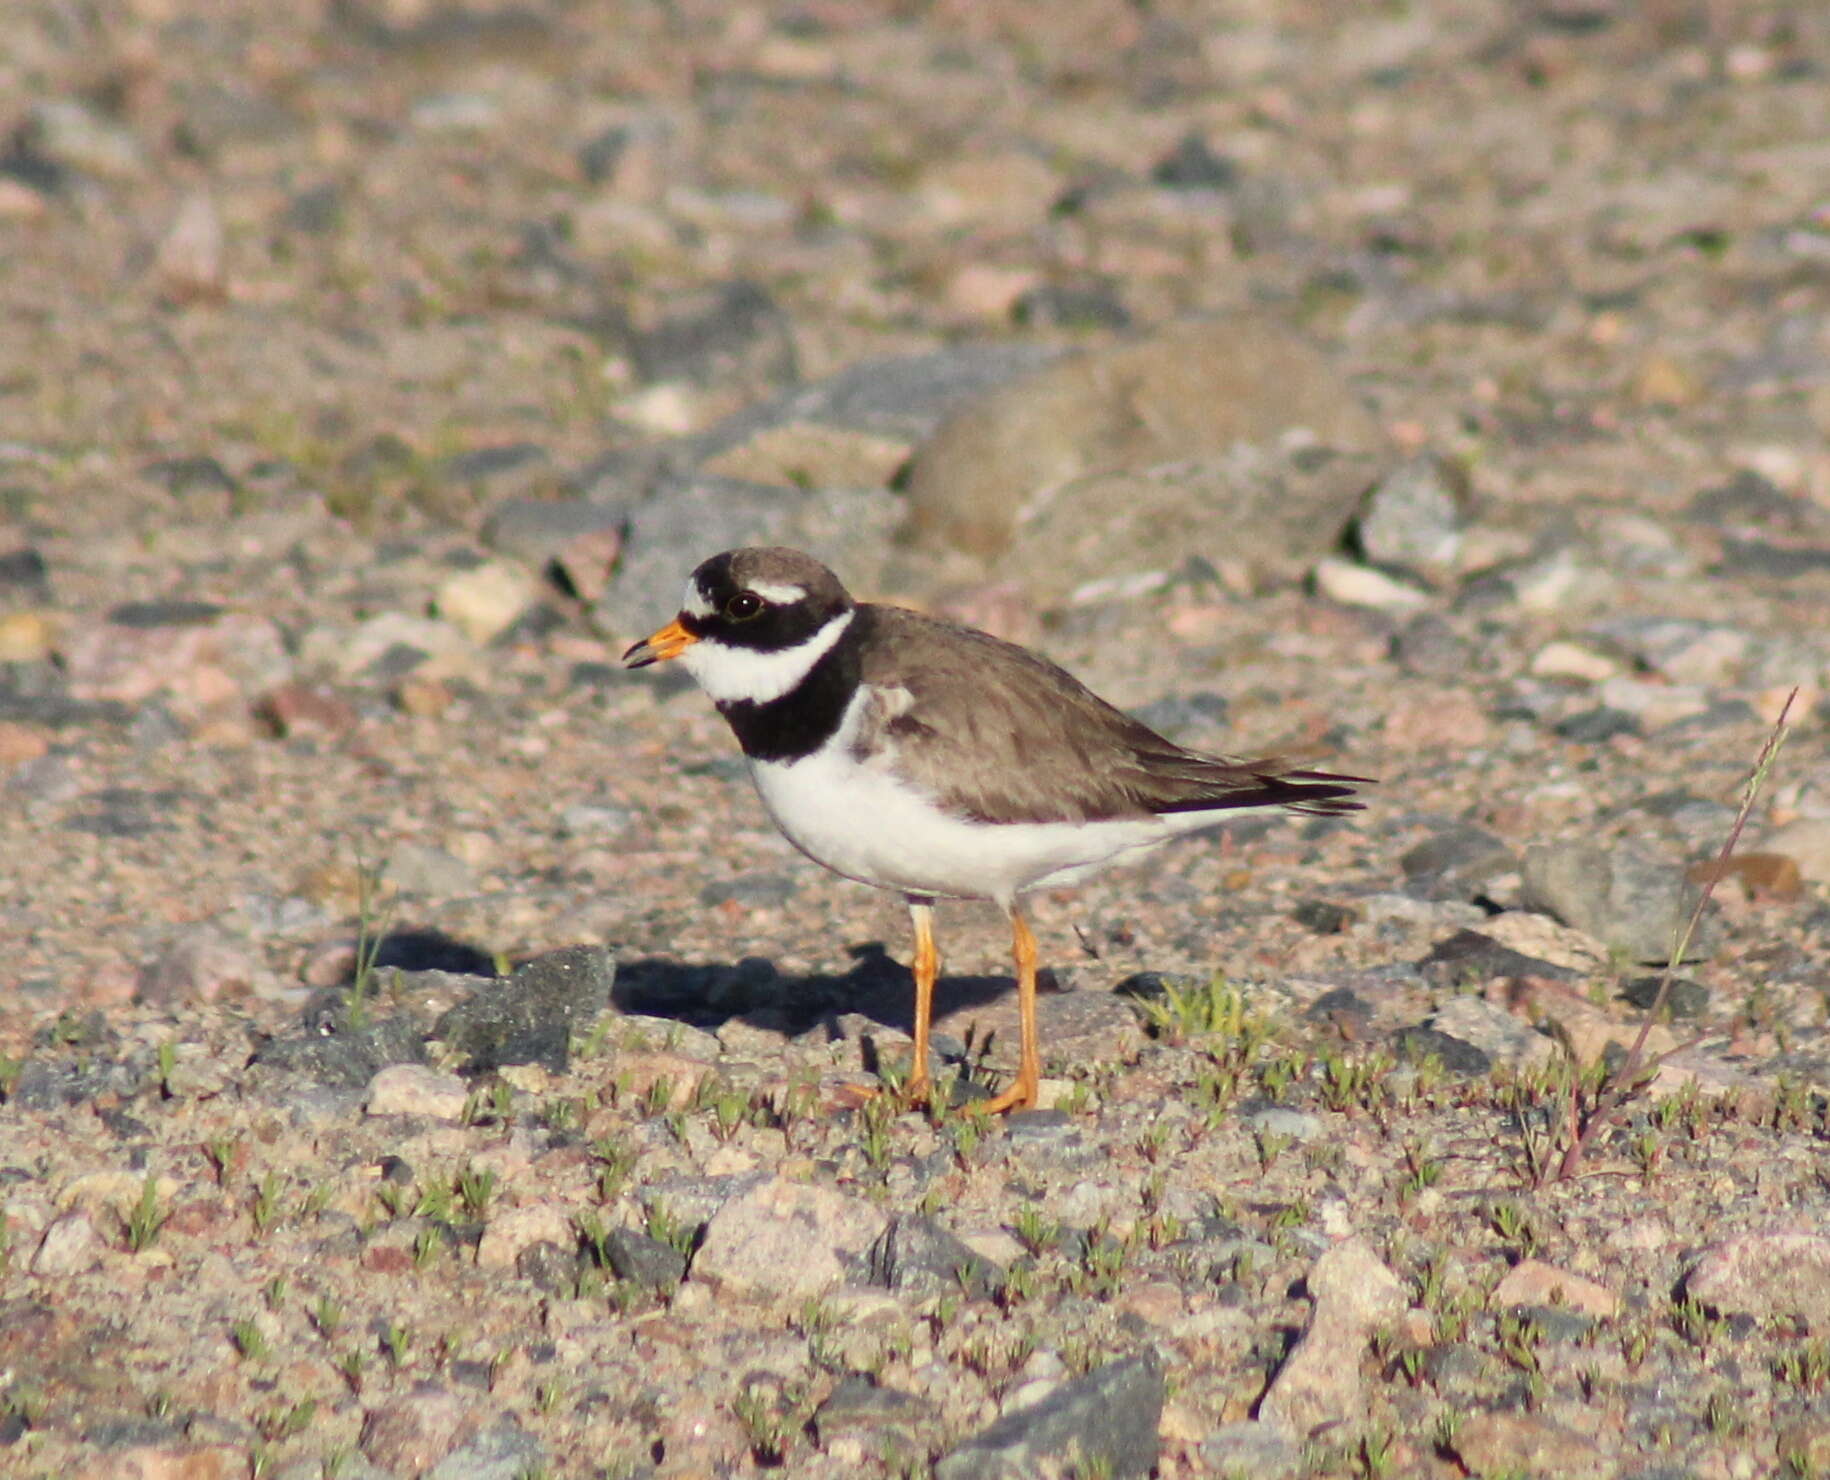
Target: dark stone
[1325,916]
[339,1046]
[24,570]
[1342,1008]
[598,155]
[1429,647]
[487,465]
[1456,863]
[1752,504]
[1192,165]
[889,1415]
[48,1084]
[1686,999]
[550,1267]
[917,1255]
[144,615]
[181,476]
[1107,1419]
[1469,957]
[314,211]
[643,1260]
[741,331]
[529,1019]
[1455,1055]
[1086,305]
[1597,725]
[1775,562]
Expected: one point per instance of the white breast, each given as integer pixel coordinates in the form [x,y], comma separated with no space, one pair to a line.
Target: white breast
[861,820]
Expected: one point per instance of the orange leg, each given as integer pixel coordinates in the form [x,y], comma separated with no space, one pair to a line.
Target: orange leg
[1023,1094]
[927,972]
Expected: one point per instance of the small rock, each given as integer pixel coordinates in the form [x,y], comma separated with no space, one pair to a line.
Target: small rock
[499,471]
[1412,517]
[1528,1443]
[1779,1273]
[1352,584]
[785,1241]
[1492,1030]
[1456,1055]
[1684,999]
[198,964]
[1806,841]
[1193,165]
[1280,1120]
[298,709]
[503,1451]
[1428,647]
[511,1232]
[643,1260]
[1471,958]
[734,334]
[484,601]
[1629,901]
[419,868]
[188,265]
[74,136]
[167,1462]
[1596,726]
[411,1433]
[1320,1383]
[1260,1450]
[884,1417]
[549,1266]
[1456,863]
[917,1256]
[1108,1419]
[1562,659]
[1533,1282]
[1767,876]
[70,1246]
[26,637]
[416,1089]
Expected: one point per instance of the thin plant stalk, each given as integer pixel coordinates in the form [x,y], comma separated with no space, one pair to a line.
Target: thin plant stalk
[1625,1082]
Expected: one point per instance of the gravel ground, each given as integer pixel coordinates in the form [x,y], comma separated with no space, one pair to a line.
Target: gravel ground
[419,1055]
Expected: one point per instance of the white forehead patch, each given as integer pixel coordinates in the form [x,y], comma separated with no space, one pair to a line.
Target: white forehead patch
[778,595]
[730,675]
[693,603]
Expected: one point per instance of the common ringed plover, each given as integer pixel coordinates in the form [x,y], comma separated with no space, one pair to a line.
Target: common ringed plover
[914,754]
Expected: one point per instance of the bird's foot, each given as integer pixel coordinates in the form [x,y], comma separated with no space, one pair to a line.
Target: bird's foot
[1023,1094]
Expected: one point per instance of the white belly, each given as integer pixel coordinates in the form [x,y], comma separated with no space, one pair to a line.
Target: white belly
[861,821]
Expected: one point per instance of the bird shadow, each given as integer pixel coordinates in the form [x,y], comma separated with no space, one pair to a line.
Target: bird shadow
[876,987]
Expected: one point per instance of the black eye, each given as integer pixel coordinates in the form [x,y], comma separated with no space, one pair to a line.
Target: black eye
[743,606]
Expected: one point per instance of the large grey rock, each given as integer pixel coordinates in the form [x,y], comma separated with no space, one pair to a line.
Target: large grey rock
[1195,393]
[1106,1422]
[1412,517]
[1633,904]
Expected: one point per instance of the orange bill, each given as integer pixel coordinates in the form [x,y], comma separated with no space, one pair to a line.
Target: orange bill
[658,647]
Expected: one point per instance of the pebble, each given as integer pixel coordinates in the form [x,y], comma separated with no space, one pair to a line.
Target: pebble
[200,963]
[1353,584]
[417,1089]
[486,600]
[1503,1038]
[784,1241]
[503,1451]
[1279,1120]
[73,136]
[1456,863]
[1564,659]
[1412,517]
[1108,1419]
[70,1246]
[643,1260]
[512,1231]
[1533,1282]
[1428,647]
